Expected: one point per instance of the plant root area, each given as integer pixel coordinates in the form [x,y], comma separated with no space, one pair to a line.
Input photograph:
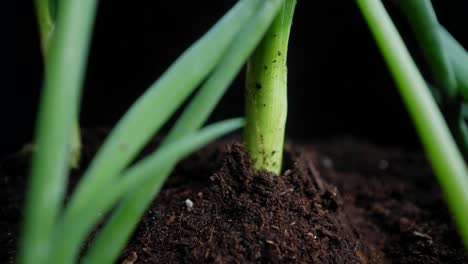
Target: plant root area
[345,201]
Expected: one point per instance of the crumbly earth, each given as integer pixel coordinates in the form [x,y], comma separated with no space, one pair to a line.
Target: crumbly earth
[239,216]
[342,201]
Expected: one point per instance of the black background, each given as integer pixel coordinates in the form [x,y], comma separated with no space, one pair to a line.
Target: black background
[338,83]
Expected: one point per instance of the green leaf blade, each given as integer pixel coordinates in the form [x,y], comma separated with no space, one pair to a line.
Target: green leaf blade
[74,228]
[446,160]
[423,20]
[459,59]
[58,106]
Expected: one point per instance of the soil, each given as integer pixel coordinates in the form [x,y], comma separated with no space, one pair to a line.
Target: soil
[343,201]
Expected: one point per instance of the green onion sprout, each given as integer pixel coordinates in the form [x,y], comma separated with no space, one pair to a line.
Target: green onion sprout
[446,159]
[54,231]
[58,108]
[112,238]
[266,94]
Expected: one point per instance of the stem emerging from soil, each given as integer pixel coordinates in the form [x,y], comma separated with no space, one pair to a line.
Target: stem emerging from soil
[266,94]
[112,238]
[446,159]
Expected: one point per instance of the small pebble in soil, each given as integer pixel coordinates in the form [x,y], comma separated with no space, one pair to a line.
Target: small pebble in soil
[131,259]
[312,235]
[189,204]
[327,162]
[422,235]
[383,165]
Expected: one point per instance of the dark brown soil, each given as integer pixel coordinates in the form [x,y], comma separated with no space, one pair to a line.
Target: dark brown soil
[339,202]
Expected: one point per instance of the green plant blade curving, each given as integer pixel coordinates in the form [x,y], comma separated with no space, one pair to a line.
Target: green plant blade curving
[465,111]
[459,59]
[114,235]
[59,105]
[74,228]
[446,159]
[423,20]
[158,103]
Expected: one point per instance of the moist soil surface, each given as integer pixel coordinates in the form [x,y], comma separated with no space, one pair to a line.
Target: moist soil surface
[343,201]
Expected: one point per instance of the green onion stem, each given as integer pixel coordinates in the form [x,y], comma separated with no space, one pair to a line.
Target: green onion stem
[266,94]
[58,107]
[112,238]
[74,229]
[459,59]
[446,62]
[423,21]
[46,30]
[160,101]
[46,23]
[446,159]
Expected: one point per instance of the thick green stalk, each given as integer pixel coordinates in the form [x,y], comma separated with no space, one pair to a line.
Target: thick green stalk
[423,21]
[46,30]
[59,103]
[446,159]
[116,232]
[266,94]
